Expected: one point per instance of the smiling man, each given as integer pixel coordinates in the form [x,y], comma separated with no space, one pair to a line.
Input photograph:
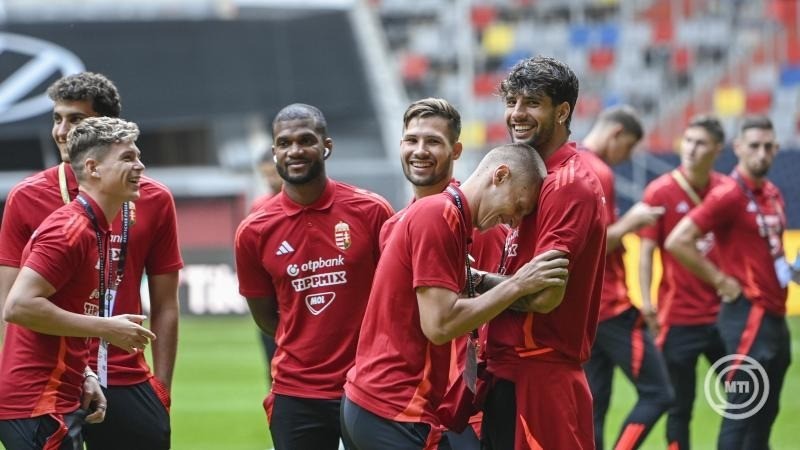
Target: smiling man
[305,261]
[540,396]
[138,397]
[52,307]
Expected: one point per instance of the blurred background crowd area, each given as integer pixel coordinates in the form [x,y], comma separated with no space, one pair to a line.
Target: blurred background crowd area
[203,79]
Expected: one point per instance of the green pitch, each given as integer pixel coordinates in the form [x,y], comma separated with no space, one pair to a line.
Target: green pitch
[220,383]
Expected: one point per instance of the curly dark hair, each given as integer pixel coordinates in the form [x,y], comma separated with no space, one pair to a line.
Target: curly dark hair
[88,86]
[543,75]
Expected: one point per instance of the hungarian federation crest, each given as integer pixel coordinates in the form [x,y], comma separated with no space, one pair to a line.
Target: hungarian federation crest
[342,235]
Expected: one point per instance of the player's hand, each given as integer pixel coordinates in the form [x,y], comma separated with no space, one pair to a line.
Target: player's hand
[642,214]
[125,332]
[545,270]
[650,316]
[93,400]
[728,289]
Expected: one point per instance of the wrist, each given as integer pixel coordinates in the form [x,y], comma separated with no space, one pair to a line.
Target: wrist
[89,373]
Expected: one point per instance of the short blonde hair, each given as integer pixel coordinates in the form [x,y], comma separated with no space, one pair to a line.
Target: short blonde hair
[93,137]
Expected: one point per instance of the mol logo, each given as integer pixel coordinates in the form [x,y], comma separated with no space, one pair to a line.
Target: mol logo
[317,303]
[19,97]
[736,386]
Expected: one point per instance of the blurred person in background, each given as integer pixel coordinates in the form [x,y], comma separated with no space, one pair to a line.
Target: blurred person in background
[395,390]
[305,261]
[428,149]
[685,320]
[622,338]
[747,216]
[539,395]
[138,398]
[47,390]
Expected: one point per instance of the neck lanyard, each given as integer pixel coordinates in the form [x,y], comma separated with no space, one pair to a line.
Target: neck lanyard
[761,219]
[457,200]
[123,251]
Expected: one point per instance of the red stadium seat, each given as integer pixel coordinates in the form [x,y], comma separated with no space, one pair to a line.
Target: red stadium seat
[601,59]
[758,102]
[414,67]
[496,133]
[482,16]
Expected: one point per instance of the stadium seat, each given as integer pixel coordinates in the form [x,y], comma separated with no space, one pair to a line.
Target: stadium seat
[729,101]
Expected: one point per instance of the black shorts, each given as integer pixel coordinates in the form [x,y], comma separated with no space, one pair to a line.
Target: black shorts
[363,430]
[300,423]
[136,419]
[61,431]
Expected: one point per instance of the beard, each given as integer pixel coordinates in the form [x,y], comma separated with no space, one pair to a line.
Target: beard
[313,172]
[430,179]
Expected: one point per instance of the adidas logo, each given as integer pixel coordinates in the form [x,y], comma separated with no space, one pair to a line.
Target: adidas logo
[284,249]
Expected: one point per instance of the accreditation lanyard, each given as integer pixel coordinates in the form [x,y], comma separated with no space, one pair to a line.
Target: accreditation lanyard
[470,373]
[107,296]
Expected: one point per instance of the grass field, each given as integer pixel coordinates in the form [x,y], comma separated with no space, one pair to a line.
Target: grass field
[220,383]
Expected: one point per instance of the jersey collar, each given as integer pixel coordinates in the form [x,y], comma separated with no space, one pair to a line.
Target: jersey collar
[323,202]
[560,156]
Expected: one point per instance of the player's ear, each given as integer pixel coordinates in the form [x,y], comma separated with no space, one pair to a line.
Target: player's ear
[502,174]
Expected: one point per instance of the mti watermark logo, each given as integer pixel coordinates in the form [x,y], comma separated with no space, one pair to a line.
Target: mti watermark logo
[736,386]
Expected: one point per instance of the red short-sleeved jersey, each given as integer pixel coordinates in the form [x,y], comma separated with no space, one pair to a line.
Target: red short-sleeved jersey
[486,247]
[744,253]
[614,299]
[41,373]
[318,262]
[399,374]
[570,218]
[683,299]
[152,248]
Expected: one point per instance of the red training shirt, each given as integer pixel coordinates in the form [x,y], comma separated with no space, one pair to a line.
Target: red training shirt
[614,299]
[683,299]
[744,253]
[41,373]
[571,218]
[152,248]
[399,374]
[317,261]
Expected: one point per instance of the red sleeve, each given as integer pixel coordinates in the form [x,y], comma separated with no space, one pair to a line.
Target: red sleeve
[55,256]
[565,217]
[14,234]
[379,214]
[652,197]
[165,254]
[721,206]
[487,247]
[437,256]
[254,280]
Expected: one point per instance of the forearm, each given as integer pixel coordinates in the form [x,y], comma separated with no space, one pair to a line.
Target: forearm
[646,251]
[467,314]
[164,323]
[42,316]
[541,302]
[687,254]
[616,231]
[164,315]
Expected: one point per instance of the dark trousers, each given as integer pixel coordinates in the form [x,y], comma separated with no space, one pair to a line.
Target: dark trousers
[624,342]
[136,419]
[748,330]
[466,440]
[304,423]
[48,431]
[363,430]
[683,345]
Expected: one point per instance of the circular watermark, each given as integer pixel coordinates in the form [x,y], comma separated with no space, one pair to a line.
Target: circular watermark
[734,397]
